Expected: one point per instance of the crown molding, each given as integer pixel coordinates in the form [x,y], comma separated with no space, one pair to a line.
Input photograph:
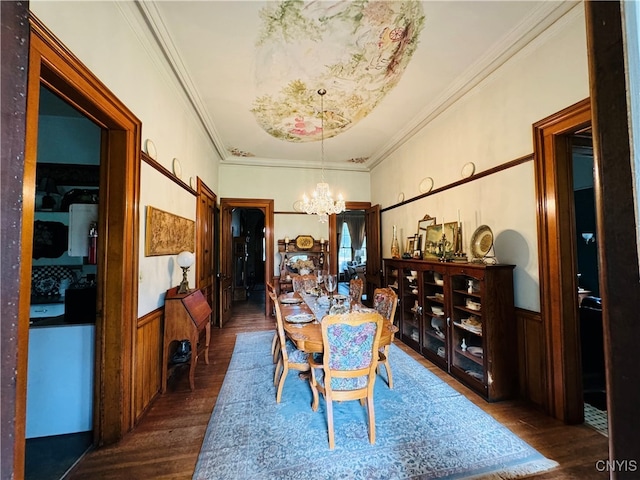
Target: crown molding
[536,26]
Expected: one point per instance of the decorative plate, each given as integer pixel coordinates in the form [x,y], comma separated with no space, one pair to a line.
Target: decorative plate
[290,300]
[297,206]
[468,169]
[300,318]
[401,197]
[177,168]
[304,242]
[426,185]
[481,241]
[192,182]
[150,148]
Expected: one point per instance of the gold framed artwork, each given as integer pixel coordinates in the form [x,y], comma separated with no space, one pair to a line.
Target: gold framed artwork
[423,224]
[168,234]
[433,247]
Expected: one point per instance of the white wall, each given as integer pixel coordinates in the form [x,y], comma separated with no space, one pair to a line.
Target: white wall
[287,185]
[490,126]
[108,38]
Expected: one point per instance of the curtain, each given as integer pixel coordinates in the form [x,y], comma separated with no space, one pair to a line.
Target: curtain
[356,224]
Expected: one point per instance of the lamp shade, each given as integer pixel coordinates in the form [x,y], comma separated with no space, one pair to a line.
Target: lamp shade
[185,259]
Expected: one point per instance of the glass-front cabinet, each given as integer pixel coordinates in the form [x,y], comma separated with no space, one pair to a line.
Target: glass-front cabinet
[461,317]
[435,335]
[467,346]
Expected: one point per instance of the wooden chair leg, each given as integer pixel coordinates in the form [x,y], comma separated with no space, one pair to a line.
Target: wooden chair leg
[372,420]
[314,390]
[329,404]
[275,374]
[283,377]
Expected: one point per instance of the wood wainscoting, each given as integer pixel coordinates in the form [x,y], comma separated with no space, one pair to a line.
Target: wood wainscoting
[148,363]
[531,356]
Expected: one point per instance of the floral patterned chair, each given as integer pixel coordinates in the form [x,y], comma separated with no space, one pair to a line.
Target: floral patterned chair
[348,370]
[304,283]
[356,286]
[290,357]
[385,301]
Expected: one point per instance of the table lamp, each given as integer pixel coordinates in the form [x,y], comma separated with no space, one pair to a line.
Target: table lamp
[185,260]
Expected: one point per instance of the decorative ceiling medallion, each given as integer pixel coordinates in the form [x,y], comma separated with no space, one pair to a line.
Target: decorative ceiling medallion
[358,50]
[236,152]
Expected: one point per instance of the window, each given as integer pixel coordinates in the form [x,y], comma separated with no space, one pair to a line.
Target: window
[346,253]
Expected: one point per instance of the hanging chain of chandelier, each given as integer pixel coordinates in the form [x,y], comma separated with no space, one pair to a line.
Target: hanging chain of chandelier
[321,202]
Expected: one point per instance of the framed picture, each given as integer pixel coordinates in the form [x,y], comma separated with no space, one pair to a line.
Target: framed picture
[423,224]
[410,245]
[168,234]
[433,240]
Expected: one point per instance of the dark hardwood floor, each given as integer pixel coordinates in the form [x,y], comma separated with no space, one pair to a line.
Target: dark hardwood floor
[166,442]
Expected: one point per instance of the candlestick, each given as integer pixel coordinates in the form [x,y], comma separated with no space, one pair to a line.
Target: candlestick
[458,216]
[286,239]
[321,240]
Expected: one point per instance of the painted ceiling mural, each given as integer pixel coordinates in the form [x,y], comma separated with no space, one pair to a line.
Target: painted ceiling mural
[356,50]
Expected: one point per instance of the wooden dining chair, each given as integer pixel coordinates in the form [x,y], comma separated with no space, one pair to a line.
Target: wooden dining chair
[275,343]
[290,357]
[385,301]
[356,286]
[349,360]
[304,283]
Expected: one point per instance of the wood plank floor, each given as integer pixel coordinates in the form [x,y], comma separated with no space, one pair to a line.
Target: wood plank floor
[166,442]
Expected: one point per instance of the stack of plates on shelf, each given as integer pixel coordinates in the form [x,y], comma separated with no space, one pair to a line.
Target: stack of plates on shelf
[415,336]
[437,310]
[472,324]
[441,352]
[471,305]
[475,351]
[476,375]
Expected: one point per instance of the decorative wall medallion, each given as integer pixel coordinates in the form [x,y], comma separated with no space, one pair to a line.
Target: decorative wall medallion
[426,185]
[150,148]
[177,168]
[297,205]
[468,169]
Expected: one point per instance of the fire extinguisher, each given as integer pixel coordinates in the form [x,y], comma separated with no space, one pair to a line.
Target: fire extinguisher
[93,244]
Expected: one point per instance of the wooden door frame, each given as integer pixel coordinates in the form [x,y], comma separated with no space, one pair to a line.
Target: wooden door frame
[226,239]
[557,258]
[51,64]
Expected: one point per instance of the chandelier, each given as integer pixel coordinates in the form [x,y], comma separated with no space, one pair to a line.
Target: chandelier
[321,202]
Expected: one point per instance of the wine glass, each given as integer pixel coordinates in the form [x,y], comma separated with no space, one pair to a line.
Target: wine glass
[331,282]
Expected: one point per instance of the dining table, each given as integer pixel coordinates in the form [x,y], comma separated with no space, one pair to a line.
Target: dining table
[307,336]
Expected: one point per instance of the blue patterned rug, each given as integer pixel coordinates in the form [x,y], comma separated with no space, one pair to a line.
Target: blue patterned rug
[424,429]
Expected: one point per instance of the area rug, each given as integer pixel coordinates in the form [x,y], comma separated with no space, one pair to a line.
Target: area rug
[424,429]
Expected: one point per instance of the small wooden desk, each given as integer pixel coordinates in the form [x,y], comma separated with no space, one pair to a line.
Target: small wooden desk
[308,336]
[185,316]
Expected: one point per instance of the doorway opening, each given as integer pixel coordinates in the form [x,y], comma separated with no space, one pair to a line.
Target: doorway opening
[234,264]
[352,248]
[249,253]
[589,301]
[61,360]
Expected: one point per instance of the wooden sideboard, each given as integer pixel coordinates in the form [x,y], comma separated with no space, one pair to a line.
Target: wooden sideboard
[185,316]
